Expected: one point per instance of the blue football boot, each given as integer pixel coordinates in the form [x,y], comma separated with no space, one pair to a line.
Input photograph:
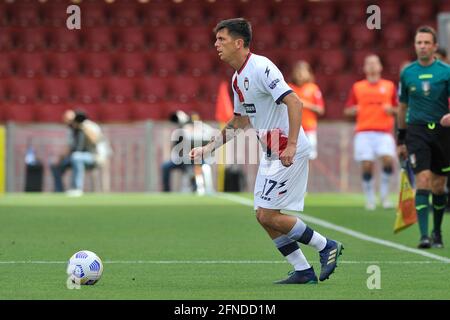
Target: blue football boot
[329,257]
[307,276]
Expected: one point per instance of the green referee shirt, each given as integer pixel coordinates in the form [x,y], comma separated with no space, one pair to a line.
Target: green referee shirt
[425,90]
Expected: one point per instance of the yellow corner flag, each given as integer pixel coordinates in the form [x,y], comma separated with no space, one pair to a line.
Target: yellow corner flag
[406,210]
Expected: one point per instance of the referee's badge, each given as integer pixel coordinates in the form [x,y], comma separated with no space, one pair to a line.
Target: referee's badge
[426,87]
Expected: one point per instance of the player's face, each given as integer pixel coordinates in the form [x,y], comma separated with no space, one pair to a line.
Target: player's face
[425,46]
[372,65]
[225,45]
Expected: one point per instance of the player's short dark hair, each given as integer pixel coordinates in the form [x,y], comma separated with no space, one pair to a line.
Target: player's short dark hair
[427,29]
[238,28]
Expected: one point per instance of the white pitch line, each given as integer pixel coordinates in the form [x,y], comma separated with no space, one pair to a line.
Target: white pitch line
[214,262]
[344,230]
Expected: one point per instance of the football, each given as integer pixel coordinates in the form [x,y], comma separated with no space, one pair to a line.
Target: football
[85,268]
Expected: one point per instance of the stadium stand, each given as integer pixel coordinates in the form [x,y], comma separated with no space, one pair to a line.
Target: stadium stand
[161,53]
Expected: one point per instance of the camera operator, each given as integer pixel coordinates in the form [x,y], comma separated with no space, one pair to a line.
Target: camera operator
[86,149]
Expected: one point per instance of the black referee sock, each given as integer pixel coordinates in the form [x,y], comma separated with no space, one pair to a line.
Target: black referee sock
[439,203]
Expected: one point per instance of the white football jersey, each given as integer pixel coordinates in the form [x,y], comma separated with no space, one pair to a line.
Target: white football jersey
[259,88]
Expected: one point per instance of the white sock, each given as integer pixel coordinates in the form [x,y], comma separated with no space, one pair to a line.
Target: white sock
[369,190]
[384,185]
[318,241]
[298,260]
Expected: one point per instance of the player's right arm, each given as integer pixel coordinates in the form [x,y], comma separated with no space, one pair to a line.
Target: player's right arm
[226,134]
[351,106]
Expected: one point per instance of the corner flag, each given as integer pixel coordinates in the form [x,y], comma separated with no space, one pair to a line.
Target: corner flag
[406,210]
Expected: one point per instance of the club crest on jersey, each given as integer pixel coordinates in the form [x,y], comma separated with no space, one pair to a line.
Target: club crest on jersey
[426,87]
[246,83]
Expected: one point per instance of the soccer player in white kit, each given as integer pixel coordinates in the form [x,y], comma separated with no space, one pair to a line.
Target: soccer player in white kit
[263,100]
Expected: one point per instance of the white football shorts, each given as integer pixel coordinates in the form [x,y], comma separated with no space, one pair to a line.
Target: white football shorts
[279,187]
[370,145]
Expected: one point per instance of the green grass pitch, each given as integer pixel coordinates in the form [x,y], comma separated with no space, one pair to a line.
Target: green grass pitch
[179,246]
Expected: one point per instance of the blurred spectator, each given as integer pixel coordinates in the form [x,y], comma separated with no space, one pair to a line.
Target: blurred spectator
[87,149]
[196,133]
[373,101]
[441,54]
[311,97]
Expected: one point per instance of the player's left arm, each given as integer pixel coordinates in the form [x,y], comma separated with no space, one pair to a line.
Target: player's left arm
[392,108]
[294,108]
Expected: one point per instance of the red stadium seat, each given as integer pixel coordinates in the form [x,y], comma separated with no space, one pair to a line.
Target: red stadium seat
[31,64]
[23,90]
[352,12]
[221,10]
[257,12]
[93,14]
[206,110]
[97,64]
[4,14]
[210,87]
[17,112]
[6,64]
[25,14]
[325,83]
[55,14]
[63,39]
[342,85]
[329,35]
[155,14]
[88,90]
[152,89]
[164,63]
[123,14]
[164,38]
[390,10]
[334,110]
[63,65]
[3,91]
[145,111]
[393,59]
[56,90]
[199,63]
[264,37]
[6,38]
[185,88]
[419,11]
[321,12]
[47,112]
[114,112]
[189,14]
[290,57]
[198,38]
[443,6]
[332,61]
[395,35]
[360,37]
[288,13]
[130,38]
[295,37]
[31,39]
[120,89]
[97,38]
[131,64]
[275,55]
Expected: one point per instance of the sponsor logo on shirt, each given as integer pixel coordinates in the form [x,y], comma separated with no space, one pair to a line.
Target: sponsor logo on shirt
[273,84]
[249,107]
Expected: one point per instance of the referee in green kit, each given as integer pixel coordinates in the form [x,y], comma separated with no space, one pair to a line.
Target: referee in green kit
[421,138]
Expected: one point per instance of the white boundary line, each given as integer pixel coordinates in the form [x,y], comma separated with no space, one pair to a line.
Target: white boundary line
[344,230]
[213,262]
